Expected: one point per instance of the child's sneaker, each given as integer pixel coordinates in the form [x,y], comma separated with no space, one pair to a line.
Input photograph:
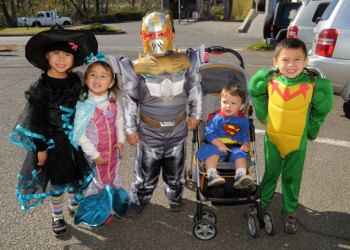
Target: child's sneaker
[214,179]
[242,181]
[58,227]
[290,223]
[134,210]
[176,206]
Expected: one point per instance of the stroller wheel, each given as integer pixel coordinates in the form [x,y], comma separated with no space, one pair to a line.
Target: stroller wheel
[253,225]
[269,222]
[204,230]
[207,214]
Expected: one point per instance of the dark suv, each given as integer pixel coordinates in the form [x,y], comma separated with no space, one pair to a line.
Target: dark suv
[275,28]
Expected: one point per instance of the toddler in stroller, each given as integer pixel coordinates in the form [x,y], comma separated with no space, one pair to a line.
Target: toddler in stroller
[227,135]
[235,185]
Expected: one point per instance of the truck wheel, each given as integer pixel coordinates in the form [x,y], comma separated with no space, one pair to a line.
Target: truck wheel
[36,24]
[65,23]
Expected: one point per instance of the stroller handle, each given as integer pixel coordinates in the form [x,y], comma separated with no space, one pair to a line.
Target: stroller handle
[217,50]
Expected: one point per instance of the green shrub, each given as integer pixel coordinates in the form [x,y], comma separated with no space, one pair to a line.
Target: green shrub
[97,27]
[120,15]
[217,12]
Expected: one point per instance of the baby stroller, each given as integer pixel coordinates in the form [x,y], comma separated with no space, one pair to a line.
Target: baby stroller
[215,75]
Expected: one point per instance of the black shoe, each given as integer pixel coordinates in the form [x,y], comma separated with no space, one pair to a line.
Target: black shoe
[134,210]
[290,223]
[176,206]
[58,227]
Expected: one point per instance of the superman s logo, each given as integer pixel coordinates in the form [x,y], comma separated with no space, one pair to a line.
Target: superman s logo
[231,129]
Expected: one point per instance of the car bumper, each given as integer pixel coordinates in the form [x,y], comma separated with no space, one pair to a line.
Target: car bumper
[336,70]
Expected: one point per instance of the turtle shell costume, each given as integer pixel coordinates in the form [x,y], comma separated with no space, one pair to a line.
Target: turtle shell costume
[294,110]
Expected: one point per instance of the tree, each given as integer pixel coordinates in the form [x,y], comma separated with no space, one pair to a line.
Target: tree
[13,13]
[97,4]
[5,12]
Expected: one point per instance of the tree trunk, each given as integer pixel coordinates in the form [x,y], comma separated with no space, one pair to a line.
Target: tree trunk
[13,13]
[107,7]
[78,9]
[5,12]
[97,3]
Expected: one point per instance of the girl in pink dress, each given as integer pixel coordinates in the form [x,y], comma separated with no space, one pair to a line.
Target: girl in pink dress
[98,130]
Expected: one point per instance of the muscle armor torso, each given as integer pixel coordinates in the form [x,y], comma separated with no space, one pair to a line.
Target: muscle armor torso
[161,87]
[164,76]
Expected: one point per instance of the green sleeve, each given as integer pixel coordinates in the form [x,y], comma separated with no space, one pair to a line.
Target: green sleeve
[321,105]
[257,88]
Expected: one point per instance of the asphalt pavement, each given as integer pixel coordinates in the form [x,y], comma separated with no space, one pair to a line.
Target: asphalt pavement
[324,208]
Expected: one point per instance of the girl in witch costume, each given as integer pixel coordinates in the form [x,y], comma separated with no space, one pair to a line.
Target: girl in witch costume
[98,129]
[54,164]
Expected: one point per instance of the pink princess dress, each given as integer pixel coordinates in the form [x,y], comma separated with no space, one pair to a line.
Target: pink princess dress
[97,129]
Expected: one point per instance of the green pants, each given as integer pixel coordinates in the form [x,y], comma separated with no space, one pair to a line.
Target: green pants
[291,168]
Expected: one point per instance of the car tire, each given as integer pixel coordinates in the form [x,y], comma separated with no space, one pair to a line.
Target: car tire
[36,24]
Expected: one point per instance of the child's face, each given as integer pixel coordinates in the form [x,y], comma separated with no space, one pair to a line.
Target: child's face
[60,62]
[290,62]
[99,79]
[231,105]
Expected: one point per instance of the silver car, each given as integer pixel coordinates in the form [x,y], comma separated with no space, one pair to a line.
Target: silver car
[331,46]
[305,20]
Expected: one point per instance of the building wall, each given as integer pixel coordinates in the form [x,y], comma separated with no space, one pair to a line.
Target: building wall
[240,8]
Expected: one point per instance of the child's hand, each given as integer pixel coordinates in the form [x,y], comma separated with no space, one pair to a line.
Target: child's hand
[133,138]
[192,123]
[42,155]
[224,149]
[311,139]
[120,147]
[245,147]
[99,160]
[263,122]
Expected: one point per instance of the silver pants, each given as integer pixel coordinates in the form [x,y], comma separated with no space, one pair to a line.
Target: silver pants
[148,165]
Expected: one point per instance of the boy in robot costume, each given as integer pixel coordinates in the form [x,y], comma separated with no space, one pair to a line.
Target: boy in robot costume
[157,86]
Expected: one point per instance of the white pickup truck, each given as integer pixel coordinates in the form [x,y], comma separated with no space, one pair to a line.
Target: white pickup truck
[44,18]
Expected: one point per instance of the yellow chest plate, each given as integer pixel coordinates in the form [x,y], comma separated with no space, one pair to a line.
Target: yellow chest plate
[172,63]
[288,109]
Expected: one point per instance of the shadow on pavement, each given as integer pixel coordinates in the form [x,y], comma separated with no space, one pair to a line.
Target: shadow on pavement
[158,228]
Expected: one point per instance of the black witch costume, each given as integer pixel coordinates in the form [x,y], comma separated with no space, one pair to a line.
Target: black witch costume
[46,124]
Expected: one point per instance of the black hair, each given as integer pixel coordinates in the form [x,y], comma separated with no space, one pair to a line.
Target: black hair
[114,89]
[290,43]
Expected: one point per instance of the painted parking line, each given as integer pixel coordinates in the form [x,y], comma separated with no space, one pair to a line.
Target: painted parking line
[319,140]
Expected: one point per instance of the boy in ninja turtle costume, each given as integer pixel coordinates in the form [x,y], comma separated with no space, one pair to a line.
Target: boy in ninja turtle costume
[156,87]
[293,104]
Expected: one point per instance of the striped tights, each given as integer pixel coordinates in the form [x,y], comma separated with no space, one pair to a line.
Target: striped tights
[57,205]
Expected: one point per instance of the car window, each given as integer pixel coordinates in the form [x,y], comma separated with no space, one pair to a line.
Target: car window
[319,11]
[342,20]
[329,9]
[289,13]
[47,14]
[41,15]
